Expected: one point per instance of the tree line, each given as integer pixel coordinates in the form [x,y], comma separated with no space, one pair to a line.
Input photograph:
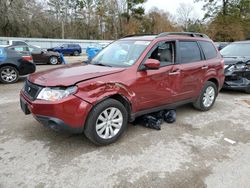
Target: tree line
[225,20]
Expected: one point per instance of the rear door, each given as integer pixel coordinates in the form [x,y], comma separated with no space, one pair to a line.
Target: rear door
[71,48]
[192,68]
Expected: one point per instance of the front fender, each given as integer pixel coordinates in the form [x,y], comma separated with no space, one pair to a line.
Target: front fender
[97,91]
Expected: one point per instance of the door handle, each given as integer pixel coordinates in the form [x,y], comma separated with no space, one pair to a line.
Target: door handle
[175,72]
[204,67]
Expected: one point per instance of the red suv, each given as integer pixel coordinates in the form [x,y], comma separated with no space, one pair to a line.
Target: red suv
[133,76]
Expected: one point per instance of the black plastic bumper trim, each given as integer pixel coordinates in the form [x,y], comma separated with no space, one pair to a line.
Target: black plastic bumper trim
[57,124]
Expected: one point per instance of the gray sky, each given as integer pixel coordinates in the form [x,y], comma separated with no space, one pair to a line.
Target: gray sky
[172,5]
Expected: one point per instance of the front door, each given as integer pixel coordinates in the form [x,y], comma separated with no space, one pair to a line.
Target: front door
[154,88]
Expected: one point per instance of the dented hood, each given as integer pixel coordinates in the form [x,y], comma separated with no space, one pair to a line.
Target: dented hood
[71,74]
[233,60]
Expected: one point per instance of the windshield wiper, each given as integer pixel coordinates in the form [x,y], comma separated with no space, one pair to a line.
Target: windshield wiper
[101,64]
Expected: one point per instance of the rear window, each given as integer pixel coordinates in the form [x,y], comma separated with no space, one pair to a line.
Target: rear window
[20,49]
[190,52]
[208,49]
[18,43]
[73,45]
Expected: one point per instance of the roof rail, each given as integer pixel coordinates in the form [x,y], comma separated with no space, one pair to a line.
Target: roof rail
[191,34]
[138,35]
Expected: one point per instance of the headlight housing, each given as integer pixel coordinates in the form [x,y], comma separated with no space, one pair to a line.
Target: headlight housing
[236,67]
[56,93]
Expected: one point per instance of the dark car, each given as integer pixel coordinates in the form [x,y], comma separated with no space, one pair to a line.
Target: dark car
[68,49]
[129,78]
[13,65]
[237,66]
[39,56]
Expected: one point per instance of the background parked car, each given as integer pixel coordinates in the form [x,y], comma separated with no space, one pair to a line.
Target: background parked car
[68,49]
[221,45]
[13,65]
[39,56]
[91,51]
[237,66]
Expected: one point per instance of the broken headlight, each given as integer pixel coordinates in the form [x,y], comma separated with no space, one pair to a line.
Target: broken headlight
[240,66]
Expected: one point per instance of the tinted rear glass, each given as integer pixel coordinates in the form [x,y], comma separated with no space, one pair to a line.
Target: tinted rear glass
[208,49]
[190,52]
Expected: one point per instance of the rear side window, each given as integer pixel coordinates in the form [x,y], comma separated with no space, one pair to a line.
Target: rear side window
[20,49]
[208,49]
[189,51]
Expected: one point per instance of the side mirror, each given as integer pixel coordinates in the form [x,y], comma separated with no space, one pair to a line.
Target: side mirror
[152,64]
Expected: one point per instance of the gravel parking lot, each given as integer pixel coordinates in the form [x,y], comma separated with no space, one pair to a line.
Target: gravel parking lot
[189,153]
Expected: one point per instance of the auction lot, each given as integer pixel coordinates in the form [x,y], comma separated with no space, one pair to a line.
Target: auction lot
[189,153]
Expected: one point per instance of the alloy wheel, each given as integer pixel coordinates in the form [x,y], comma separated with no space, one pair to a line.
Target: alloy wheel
[208,97]
[109,123]
[53,60]
[8,74]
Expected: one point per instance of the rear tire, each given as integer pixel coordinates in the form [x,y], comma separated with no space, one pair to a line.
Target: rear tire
[76,53]
[207,97]
[106,122]
[53,60]
[8,75]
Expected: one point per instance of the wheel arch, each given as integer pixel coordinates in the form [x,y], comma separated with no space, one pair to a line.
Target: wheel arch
[215,81]
[9,64]
[122,99]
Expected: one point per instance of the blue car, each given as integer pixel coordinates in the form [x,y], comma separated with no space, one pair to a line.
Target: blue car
[68,49]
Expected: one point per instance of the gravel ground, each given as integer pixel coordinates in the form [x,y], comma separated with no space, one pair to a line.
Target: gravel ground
[189,153]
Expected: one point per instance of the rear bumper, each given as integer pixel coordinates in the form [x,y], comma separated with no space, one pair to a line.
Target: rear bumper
[68,114]
[26,68]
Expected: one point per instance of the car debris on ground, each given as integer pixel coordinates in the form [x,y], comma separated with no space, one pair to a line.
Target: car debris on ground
[155,120]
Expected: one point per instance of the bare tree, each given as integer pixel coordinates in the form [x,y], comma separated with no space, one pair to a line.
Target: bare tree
[185,15]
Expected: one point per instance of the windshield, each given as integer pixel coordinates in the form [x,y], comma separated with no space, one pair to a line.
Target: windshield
[120,53]
[236,49]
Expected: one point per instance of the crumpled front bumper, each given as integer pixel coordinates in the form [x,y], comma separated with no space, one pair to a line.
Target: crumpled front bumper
[237,80]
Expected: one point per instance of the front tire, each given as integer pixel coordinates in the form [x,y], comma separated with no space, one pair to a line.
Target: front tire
[106,122]
[8,75]
[207,97]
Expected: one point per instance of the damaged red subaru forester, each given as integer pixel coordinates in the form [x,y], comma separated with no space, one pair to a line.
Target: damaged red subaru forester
[133,76]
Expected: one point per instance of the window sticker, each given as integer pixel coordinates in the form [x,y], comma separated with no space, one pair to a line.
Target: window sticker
[142,43]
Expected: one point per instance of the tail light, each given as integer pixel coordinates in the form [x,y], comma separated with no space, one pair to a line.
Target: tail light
[27,58]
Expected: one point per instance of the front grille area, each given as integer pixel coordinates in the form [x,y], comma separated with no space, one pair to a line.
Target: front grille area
[31,90]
